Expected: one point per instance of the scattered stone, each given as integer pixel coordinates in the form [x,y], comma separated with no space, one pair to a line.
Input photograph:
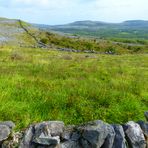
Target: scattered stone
[119,141]
[134,135]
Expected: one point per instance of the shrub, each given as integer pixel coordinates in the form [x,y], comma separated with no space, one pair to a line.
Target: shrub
[44,40]
[110,49]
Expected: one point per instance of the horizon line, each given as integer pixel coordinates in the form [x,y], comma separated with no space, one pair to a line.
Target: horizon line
[107,22]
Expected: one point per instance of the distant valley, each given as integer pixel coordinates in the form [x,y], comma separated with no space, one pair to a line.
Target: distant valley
[127,29]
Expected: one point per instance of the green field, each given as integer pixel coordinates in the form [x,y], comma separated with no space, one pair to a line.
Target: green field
[40,84]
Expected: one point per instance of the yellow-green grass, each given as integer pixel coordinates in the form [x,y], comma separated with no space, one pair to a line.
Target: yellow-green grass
[39,84]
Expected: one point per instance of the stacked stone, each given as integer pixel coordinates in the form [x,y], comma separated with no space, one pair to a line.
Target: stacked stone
[95,134]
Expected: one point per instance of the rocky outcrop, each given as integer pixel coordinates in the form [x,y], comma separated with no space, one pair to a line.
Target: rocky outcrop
[95,134]
[39,43]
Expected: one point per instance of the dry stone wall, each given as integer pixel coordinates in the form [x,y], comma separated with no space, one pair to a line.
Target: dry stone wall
[95,134]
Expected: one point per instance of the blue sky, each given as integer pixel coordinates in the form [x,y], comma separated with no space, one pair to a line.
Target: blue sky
[65,11]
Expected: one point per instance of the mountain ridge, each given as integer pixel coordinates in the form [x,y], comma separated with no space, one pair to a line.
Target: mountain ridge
[127,29]
[90,22]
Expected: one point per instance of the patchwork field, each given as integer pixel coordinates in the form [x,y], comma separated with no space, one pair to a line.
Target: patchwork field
[41,84]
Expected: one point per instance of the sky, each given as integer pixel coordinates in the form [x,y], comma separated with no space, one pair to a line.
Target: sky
[55,12]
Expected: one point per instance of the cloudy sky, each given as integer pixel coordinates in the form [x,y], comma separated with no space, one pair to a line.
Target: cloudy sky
[65,11]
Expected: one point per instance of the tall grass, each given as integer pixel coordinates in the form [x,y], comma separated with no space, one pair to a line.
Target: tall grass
[46,85]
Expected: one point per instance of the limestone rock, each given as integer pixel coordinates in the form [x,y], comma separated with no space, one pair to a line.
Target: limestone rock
[45,140]
[54,128]
[75,136]
[94,133]
[110,137]
[84,143]
[119,141]
[48,133]
[10,124]
[13,142]
[70,144]
[27,139]
[4,132]
[144,127]
[67,133]
[70,137]
[134,135]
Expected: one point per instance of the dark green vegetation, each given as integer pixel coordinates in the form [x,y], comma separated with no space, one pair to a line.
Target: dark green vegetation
[38,84]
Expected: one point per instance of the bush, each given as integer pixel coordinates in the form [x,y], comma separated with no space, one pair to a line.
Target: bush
[44,40]
[110,50]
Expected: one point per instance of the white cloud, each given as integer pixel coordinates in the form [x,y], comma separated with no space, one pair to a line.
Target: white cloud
[63,11]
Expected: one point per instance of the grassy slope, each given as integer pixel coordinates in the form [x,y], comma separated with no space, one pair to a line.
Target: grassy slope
[37,84]
[118,46]
[12,33]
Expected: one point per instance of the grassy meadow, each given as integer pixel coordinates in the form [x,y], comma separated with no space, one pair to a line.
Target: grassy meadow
[40,84]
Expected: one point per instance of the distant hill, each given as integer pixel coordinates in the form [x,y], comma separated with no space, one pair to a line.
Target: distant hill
[136,23]
[107,36]
[127,29]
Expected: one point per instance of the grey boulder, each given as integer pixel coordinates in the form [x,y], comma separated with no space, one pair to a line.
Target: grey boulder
[48,133]
[144,127]
[70,144]
[47,140]
[110,137]
[134,135]
[27,138]
[119,141]
[67,132]
[55,128]
[10,124]
[4,132]
[94,133]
